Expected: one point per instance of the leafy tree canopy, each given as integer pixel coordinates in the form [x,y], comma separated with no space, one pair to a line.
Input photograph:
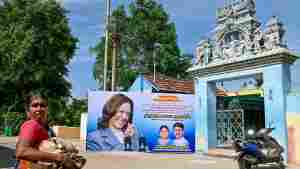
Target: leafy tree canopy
[36,45]
[147,36]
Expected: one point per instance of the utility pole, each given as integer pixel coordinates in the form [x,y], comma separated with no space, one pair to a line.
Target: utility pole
[115,39]
[156,47]
[154,67]
[108,8]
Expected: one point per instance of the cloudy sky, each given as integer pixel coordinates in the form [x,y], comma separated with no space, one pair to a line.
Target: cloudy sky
[194,19]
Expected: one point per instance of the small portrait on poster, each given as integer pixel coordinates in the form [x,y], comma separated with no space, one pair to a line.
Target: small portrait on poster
[179,140]
[172,139]
[164,139]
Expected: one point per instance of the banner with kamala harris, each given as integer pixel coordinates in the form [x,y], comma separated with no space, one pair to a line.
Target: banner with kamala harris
[134,121]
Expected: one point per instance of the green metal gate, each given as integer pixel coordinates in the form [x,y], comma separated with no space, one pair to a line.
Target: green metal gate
[230,126]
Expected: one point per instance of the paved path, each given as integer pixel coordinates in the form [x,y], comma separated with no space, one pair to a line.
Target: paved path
[135,160]
[155,161]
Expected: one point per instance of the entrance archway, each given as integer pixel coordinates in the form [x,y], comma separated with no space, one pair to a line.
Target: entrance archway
[276,74]
[240,48]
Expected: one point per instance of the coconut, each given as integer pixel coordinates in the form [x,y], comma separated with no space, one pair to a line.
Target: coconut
[57,145]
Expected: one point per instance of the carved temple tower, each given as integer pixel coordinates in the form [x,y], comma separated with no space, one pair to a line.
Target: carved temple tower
[238,35]
[240,48]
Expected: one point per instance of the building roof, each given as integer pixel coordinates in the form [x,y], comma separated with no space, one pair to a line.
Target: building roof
[169,84]
[221,91]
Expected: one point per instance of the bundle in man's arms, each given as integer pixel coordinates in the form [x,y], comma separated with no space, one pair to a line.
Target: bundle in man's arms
[57,145]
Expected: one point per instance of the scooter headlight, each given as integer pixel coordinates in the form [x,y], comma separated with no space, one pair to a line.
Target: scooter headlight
[250,132]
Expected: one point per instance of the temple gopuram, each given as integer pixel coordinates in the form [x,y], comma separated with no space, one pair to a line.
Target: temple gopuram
[242,47]
[239,36]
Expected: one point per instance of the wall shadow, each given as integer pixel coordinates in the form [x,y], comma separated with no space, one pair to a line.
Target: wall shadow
[7,157]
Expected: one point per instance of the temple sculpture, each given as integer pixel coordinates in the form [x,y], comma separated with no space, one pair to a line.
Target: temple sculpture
[239,36]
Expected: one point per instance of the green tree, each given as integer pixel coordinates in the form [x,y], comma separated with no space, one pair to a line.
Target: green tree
[36,45]
[73,112]
[146,34]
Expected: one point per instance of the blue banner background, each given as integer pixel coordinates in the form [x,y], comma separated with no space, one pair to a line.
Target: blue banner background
[146,127]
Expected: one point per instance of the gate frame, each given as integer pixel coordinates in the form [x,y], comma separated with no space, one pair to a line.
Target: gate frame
[243,121]
[275,68]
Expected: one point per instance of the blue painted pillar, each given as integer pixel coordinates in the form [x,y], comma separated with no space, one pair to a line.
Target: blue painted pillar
[277,79]
[199,120]
[205,118]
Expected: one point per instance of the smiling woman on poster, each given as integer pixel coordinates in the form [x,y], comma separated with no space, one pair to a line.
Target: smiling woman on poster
[114,126]
[163,139]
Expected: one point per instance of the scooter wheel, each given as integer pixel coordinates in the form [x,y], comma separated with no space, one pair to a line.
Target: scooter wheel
[281,165]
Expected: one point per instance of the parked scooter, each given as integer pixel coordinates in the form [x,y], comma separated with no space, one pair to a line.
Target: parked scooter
[258,148]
